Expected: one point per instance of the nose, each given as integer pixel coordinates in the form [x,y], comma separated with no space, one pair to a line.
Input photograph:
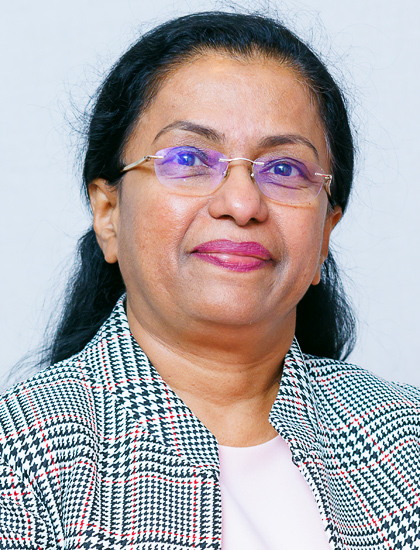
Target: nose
[239,197]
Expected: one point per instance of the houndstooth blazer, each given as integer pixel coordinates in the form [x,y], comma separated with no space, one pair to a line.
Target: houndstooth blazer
[97,452]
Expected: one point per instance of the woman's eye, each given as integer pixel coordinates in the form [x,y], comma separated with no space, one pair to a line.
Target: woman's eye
[285,169]
[187,159]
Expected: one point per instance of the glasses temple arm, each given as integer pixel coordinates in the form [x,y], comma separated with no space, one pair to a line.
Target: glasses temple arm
[327,182]
[138,162]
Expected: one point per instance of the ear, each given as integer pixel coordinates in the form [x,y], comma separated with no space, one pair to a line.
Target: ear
[331,221]
[105,208]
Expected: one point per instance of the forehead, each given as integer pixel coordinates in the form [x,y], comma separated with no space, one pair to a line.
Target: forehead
[243,100]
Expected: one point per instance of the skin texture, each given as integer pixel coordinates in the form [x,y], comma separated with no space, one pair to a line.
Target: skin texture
[216,335]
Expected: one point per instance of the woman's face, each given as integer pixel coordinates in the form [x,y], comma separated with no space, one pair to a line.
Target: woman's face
[173,278]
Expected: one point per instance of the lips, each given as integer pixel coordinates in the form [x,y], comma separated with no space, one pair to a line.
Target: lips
[243,256]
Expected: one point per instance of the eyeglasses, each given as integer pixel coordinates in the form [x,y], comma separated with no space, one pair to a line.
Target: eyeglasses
[192,171]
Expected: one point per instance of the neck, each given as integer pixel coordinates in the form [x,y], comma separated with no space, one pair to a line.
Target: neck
[228,376]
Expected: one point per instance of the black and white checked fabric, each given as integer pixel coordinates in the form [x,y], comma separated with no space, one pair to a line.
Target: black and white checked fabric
[97,452]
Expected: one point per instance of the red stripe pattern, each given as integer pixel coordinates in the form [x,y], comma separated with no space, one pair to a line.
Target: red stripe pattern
[97,452]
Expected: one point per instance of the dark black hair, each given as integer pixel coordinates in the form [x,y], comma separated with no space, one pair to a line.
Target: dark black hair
[325,323]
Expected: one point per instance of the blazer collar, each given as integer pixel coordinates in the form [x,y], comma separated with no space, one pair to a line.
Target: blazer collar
[294,413]
[119,365]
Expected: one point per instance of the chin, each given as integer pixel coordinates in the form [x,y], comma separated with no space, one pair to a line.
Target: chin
[231,312]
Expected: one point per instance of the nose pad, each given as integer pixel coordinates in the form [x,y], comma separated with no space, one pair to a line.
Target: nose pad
[226,173]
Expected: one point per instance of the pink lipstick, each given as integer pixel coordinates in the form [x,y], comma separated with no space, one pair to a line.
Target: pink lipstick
[244,256]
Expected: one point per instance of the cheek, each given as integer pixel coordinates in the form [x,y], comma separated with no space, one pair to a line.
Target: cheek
[153,226]
[302,231]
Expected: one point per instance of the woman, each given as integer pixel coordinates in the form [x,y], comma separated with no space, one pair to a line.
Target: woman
[187,415]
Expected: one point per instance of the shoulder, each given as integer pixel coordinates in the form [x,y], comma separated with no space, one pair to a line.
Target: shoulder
[348,391]
[59,393]
[346,376]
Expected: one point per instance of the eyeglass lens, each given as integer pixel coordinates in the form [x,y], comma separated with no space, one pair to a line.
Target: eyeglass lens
[196,171]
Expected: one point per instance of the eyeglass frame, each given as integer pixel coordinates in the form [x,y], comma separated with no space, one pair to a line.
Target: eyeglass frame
[326,184]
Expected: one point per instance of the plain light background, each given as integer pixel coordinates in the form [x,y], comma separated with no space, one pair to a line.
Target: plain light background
[55,53]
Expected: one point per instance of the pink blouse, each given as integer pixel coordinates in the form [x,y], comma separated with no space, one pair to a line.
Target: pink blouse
[266,502]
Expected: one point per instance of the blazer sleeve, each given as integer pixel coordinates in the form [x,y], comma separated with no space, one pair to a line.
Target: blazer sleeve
[24,521]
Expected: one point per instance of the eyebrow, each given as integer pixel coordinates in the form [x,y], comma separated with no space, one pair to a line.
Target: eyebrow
[204,131]
[287,139]
[214,135]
